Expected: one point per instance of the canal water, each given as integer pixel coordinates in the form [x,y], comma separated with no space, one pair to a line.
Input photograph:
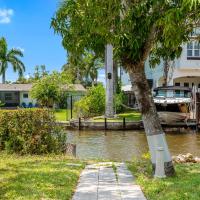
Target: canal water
[125,145]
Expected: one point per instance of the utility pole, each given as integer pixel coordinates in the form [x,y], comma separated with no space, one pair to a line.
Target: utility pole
[109,81]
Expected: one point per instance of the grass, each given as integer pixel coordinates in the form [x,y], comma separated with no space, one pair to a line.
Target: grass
[62,114]
[129,116]
[184,186]
[37,177]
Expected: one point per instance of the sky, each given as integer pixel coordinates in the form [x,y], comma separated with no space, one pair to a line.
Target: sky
[26,25]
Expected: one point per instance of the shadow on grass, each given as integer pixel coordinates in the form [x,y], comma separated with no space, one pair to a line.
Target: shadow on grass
[38,179]
[184,186]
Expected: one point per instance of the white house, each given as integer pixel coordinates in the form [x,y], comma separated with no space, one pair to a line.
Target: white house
[185,70]
[14,95]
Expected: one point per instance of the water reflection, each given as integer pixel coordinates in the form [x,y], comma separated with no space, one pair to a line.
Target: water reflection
[124,145]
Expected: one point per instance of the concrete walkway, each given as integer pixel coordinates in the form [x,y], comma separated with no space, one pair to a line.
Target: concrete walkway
[100,182]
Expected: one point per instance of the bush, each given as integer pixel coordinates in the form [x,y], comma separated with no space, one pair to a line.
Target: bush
[119,100]
[30,131]
[93,104]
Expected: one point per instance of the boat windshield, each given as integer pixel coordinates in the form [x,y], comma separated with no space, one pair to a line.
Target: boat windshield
[173,93]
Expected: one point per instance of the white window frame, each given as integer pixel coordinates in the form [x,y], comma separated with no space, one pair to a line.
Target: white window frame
[193,49]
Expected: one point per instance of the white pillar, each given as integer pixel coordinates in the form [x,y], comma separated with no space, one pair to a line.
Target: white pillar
[109,80]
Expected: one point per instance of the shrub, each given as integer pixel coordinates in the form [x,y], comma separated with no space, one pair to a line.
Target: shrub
[119,100]
[93,104]
[30,131]
[48,89]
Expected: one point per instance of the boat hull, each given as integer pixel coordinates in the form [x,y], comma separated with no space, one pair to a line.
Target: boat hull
[171,117]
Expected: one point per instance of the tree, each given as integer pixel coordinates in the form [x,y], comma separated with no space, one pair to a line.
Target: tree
[138,30]
[47,90]
[84,68]
[10,56]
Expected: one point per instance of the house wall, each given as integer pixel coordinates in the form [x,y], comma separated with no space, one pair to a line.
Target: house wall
[185,70]
[26,100]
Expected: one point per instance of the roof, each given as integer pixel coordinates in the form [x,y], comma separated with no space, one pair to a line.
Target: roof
[15,87]
[27,87]
[173,88]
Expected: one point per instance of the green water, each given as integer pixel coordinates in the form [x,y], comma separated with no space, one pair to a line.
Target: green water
[124,145]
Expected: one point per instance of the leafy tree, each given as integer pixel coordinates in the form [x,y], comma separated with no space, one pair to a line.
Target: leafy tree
[48,89]
[10,56]
[138,30]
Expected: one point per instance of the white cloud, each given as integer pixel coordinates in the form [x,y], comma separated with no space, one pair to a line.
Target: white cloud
[5,16]
[19,48]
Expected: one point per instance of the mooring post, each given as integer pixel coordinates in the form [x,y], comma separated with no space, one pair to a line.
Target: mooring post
[124,123]
[79,123]
[105,123]
[71,107]
[160,171]
[71,149]
[67,108]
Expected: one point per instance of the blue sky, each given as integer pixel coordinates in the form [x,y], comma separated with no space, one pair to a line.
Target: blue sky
[26,25]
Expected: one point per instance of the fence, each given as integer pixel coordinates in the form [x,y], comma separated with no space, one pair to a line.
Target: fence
[71,99]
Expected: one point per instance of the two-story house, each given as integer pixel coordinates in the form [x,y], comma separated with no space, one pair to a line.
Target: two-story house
[185,70]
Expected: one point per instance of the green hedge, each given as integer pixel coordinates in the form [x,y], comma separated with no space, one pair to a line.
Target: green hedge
[30,131]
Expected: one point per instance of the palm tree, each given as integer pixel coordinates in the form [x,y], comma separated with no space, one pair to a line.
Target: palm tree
[10,57]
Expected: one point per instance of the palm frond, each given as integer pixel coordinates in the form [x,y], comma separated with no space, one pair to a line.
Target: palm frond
[3,48]
[15,52]
[17,64]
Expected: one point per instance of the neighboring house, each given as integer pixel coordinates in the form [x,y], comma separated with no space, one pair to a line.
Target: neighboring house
[186,69]
[13,95]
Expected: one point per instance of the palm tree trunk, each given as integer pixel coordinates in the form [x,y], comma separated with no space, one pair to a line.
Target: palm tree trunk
[152,126]
[109,81]
[3,77]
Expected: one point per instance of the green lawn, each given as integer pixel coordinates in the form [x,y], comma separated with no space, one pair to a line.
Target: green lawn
[129,116]
[37,177]
[184,186]
[62,114]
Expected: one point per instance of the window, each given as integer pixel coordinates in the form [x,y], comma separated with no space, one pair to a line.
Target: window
[8,96]
[186,84]
[177,84]
[193,49]
[25,96]
[177,93]
[199,85]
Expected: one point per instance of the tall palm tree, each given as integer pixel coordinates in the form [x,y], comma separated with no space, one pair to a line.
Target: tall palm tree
[10,57]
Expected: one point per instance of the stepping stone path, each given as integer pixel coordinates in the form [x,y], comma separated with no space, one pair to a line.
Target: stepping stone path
[101,182]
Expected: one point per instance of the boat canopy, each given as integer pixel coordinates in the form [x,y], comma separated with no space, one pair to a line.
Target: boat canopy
[180,88]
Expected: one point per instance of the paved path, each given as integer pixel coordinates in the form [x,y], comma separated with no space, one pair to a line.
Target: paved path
[100,182]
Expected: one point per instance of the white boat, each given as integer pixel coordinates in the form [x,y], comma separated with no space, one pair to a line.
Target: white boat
[173,103]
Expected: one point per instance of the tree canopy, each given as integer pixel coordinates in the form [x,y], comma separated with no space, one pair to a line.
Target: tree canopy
[83,68]
[136,29]
[49,89]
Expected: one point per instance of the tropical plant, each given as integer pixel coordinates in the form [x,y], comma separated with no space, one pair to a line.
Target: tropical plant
[48,89]
[84,68]
[10,57]
[30,131]
[139,31]
[93,104]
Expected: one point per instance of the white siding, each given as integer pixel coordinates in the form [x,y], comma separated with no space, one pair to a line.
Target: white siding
[26,100]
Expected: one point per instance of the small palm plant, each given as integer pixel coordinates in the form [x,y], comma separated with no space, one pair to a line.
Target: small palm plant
[10,57]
